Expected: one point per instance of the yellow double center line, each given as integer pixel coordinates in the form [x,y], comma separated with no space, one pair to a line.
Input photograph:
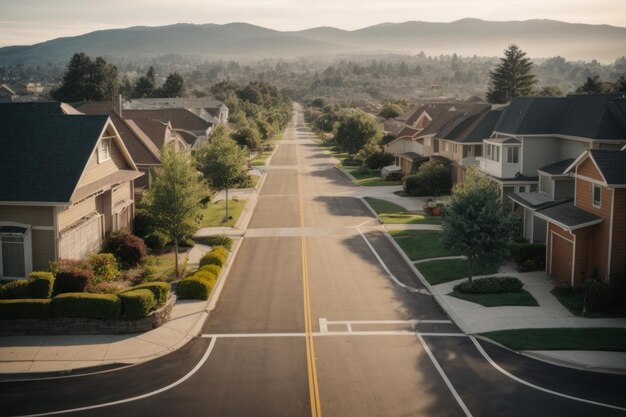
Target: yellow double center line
[308,325]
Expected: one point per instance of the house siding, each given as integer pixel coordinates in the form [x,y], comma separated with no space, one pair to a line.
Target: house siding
[123,192]
[78,211]
[588,169]
[95,171]
[32,215]
[536,153]
[43,243]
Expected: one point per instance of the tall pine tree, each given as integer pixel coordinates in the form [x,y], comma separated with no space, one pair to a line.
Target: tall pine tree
[512,77]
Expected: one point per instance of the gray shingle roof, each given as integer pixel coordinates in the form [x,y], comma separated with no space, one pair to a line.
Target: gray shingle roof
[612,164]
[556,168]
[593,116]
[473,128]
[43,152]
[568,215]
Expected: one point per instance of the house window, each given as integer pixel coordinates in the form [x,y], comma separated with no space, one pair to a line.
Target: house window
[13,251]
[446,146]
[104,150]
[545,184]
[427,142]
[512,154]
[597,195]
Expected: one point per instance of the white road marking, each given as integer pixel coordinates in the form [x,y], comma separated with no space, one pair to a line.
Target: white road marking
[243,335]
[416,321]
[537,387]
[349,327]
[455,394]
[139,397]
[323,326]
[392,276]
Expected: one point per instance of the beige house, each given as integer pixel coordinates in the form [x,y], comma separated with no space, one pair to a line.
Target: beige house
[67,182]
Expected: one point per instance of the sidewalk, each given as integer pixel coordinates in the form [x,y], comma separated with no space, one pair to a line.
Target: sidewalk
[33,354]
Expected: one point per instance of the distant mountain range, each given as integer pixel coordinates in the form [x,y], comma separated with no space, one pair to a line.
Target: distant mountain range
[241,41]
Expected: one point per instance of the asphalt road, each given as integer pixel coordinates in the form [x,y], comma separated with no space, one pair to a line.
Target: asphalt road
[372,347]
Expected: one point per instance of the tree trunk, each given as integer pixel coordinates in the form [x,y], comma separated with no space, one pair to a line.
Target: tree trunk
[226,217]
[176,256]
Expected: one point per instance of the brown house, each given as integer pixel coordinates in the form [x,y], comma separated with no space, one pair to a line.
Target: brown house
[586,236]
[67,180]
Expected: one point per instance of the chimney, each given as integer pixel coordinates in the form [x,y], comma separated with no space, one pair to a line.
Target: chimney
[119,105]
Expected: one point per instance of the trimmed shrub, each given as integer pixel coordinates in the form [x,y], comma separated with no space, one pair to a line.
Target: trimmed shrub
[72,280]
[14,289]
[129,249]
[528,256]
[194,289]
[104,267]
[431,179]
[214,269]
[212,258]
[137,303]
[491,285]
[379,160]
[205,275]
[87,305]
[220,240]
[143,223]
[26,308]
[597,296]
[40,284]
[220,250]
[161,291]
[156,241]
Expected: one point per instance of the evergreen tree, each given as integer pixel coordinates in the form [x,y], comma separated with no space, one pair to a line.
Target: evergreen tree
[174,86]
[591,86]
[512,77]
[145,85]
[87,80]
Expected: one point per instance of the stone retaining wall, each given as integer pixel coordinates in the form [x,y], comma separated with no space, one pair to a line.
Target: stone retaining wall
[69,325]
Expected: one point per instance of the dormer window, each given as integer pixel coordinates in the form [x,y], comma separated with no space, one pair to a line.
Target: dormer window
[104,150]
[597,195]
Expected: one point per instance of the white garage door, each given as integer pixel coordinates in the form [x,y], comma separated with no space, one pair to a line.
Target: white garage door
[82,240]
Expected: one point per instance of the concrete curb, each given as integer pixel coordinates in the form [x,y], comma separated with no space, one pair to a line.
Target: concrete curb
[370,208]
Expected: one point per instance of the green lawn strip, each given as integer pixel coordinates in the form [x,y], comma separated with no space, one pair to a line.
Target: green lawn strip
[564,338]
[261,158]
[421,244]
[392,213]
[213,214]
[571,300]
[520,298]
[445,270]
[369,178]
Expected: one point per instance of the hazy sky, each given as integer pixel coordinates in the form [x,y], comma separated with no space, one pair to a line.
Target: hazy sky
[31,21]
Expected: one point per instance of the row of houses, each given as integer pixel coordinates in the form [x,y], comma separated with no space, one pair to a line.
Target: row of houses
[560,162]
[72,174]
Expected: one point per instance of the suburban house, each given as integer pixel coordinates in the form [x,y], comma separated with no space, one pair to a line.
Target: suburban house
[7,93]
[67,181]
[536,139]
[586,235]
[416,142]
[207,108]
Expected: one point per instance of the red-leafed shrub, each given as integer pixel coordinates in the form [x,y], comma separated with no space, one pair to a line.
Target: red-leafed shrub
[129,249]
[72,280]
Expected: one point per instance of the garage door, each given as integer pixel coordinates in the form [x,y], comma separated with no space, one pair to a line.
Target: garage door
[81,240]
[561,262]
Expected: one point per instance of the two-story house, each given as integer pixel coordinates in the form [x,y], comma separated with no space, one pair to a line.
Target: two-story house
[586,236]
[209,109]
[536,138]
[67,180]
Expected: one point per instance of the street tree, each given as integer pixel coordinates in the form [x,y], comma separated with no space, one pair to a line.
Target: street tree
[475,223]
[248,137]
[357,130]
[87,80]
[223,164]
[174,86]
[175,194]
[512,77]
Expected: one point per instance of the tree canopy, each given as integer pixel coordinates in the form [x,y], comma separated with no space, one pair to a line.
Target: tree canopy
[512,77]
[87,80]
[175,194]
[356,130]
[475,223]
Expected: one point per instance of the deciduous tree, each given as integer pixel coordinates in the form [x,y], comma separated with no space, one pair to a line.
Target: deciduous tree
[356,130]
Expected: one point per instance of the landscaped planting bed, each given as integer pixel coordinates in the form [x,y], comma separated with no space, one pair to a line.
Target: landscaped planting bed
[440,271]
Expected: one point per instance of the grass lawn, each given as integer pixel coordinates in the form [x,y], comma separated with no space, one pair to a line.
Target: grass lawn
[213,214]
[520,298]
[260,158]
[369,178]
[392,213]
[574,301]
[438,272]
[609,339]
[162,266]
[421,244]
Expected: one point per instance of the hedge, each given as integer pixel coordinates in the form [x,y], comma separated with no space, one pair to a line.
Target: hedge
[72,280]
[491,285]
[217,256]
[194,289]
[220,250]
[161,291]
[40,284]
[209,276]
[214,269]
[222,240]
[26,308]
[15,289]
[87,305]
[137,303]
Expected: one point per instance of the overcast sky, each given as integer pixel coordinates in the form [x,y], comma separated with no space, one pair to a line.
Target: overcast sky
[24,22]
